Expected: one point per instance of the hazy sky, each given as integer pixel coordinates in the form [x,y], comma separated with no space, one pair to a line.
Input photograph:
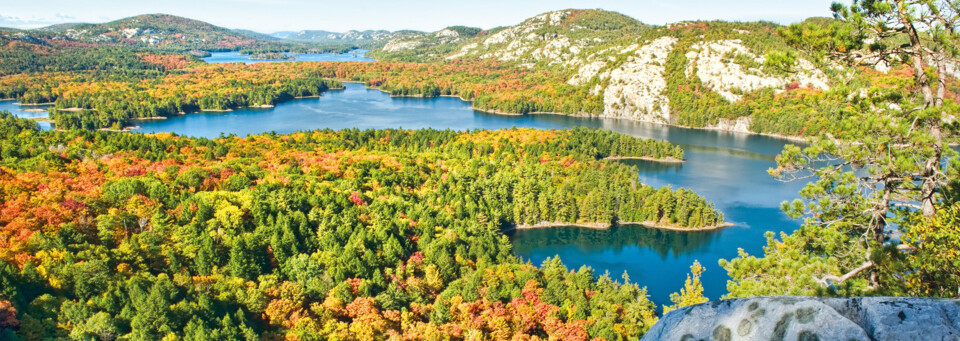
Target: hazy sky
[429,15]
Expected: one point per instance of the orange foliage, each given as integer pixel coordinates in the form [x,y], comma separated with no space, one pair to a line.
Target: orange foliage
[168,61]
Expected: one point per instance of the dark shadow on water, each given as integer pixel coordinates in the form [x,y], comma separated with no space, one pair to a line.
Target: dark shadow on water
[615,239]
[649,167]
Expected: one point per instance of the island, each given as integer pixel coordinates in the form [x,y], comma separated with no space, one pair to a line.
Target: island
[272,56]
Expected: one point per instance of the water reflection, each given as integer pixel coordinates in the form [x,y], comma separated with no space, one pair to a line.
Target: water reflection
[616,239]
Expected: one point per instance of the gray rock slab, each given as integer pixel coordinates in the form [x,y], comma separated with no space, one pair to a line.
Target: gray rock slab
[812,318]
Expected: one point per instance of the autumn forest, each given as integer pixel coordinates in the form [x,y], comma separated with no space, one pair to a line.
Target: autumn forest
[107,233]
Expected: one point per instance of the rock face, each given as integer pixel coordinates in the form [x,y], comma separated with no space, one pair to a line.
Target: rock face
[740,125]
[636,88]
[714,67]
[813,318]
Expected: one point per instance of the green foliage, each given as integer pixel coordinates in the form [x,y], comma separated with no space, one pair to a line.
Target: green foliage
[934,265]
[882,170]
[23,59]
[822,37]
[692,291]
[274,235]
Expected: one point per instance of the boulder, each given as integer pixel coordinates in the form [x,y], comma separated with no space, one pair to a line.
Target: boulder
[812,318]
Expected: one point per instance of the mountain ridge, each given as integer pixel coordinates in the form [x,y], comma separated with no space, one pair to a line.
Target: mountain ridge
[163,31]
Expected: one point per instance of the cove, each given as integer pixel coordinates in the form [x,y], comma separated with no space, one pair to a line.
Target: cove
[728,169]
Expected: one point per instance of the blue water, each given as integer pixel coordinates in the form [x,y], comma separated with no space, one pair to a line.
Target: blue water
[726,168]
[19,110]
[236,57]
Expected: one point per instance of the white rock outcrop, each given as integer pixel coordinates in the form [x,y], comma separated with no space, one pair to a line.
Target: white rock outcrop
[447,33]
[130,32]
[397,46]
[728,78]
[521,39]
[813,318]
[635,89]
[739,125]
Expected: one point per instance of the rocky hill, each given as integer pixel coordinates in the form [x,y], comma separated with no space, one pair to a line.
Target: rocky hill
[638,70]
[156,31]
[813,318]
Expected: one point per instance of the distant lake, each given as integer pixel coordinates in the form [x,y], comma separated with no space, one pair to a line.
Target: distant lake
[21,111]
[729,169]
[236,57]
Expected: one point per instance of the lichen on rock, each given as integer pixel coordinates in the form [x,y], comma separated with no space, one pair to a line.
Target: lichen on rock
[813,318]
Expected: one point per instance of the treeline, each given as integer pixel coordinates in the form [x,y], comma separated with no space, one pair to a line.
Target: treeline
[489,85]
[351,234]
[112,99]
[22,58]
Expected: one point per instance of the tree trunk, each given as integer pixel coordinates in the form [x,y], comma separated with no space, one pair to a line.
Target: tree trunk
[879,223]
[931,167]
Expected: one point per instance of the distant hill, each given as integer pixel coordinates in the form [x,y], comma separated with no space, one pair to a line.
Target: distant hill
[642,72]
[574,30]
[363,39]
[258,35]
[160,31]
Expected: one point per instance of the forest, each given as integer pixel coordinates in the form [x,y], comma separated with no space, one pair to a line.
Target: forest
[323,234]
[399,234]
[185,87]
[89,100]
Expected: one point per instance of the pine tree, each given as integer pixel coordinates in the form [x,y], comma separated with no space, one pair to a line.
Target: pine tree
[692,292]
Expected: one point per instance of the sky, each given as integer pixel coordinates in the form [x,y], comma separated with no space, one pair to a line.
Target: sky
[430,15]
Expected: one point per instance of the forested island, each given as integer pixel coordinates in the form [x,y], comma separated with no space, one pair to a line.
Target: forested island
[272,56]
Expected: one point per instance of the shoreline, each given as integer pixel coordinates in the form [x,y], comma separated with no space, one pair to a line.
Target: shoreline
[645,158]
[495,112]
[74,109]
[799,139]
[607,226]
[653,225]
[126,129]
[541,225]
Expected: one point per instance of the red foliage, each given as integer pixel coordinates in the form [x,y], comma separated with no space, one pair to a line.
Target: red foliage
[417,258]
[8,316]
[73,205]
[357,200]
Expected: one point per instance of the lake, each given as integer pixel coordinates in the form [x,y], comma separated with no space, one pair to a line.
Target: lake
[21,111]
[728,169]
[236,57]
